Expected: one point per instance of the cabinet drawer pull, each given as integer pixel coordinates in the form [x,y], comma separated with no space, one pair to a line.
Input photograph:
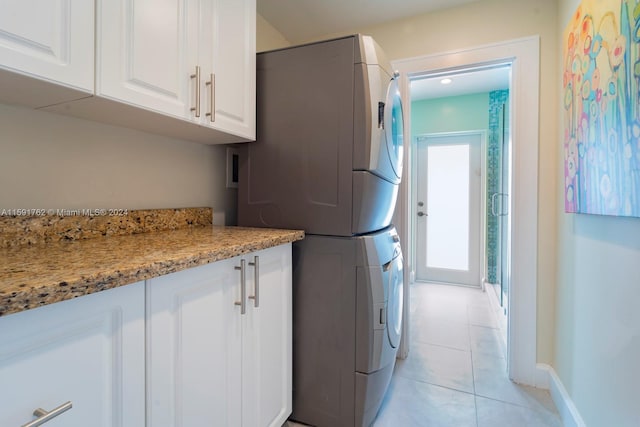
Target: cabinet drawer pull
[212,98]
[256,281]
[243,287]
[197,88]
[44,416]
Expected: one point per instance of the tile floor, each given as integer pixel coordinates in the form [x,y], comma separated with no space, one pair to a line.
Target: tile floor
[455,375]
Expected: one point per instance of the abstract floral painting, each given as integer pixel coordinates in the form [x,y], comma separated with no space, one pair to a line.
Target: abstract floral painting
[601,80]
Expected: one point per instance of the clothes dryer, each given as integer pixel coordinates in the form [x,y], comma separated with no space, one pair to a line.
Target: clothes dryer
[328,151]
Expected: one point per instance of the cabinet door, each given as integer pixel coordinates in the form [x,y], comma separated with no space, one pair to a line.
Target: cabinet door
[267,342]
[89,351]
[147,50]
[46,40]
[194,347]
[228,50]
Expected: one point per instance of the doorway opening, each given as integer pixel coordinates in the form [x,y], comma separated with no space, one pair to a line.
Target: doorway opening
[460,183]
[522,56]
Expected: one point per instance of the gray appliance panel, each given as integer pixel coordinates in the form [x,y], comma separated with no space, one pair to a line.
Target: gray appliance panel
[370,391]
[334,279]
[324,299]
[299,173]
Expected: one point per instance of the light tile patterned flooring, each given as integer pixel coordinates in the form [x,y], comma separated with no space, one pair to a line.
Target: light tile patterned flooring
[455,375]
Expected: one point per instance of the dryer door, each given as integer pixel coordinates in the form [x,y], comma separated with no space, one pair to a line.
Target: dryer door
[393,126]
[395,300]
[378,124]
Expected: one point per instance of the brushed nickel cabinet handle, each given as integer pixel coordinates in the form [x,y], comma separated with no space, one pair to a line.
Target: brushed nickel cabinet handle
[197,87]
[256,281]
[243,287]
[212,98]
[45,416]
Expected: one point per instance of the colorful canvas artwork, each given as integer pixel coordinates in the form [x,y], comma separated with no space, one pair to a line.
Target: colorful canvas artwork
[601,84]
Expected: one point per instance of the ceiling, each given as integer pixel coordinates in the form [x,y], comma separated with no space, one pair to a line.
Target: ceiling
[303,20]
[462,83]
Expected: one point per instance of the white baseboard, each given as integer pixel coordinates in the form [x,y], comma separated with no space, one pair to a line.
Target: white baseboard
[567,409]
[543,376]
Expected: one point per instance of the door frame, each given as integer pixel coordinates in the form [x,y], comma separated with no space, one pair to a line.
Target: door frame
[483,197]
[524,57]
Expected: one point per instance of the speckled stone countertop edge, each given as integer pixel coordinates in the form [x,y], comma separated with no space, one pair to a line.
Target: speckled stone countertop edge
[195,247]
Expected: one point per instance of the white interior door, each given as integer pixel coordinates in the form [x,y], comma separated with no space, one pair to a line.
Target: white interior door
[449,209]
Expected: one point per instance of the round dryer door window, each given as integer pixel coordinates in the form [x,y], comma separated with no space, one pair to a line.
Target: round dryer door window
[395,301]
[393,126]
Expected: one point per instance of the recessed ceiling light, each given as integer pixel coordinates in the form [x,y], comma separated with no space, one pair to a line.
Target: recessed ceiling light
[446,81]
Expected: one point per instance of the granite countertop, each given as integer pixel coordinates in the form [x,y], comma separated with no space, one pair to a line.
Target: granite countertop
[46,272]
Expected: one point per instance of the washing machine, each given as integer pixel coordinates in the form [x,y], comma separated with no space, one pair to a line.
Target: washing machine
[347,312]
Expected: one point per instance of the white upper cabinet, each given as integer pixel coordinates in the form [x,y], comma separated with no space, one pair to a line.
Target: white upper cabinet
[190,59]
[44,42]
[228,47]
[181,68]
[146,51]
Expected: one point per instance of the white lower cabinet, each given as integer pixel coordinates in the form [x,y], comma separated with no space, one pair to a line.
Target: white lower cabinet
[210,360]
[267,340]
[88,351]
[214,358]
[193,357]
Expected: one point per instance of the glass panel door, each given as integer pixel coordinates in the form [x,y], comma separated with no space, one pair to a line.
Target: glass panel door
[448,221]
[449,211]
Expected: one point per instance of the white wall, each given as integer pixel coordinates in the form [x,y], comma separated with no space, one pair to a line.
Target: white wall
[485,22]
[597,347]
[268,37]
[53,161]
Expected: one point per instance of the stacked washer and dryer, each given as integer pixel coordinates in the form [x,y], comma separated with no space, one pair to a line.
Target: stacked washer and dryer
[328,160]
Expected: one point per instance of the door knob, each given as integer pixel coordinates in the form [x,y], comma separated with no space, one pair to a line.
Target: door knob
[421,214]
[420,204]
